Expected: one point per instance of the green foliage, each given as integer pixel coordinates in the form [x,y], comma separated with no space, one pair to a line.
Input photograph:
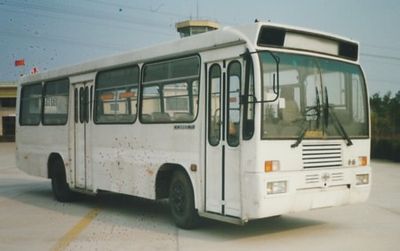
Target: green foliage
[385,126]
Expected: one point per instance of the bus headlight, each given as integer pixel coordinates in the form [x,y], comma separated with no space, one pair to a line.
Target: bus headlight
[362,179]
[276,187]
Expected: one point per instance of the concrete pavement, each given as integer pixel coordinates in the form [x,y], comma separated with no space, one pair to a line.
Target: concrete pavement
[30,219]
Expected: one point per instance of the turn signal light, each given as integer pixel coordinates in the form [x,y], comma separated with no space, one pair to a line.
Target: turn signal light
[271,166]
[363,160]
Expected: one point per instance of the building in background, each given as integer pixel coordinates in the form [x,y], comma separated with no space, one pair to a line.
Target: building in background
[192,27]
[8,95]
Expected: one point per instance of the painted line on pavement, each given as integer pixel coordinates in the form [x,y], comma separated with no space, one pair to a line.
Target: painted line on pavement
[74,232]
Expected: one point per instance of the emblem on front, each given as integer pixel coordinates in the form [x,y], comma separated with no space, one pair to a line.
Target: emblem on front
[325,177]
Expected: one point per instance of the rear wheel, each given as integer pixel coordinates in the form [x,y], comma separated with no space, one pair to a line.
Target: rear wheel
[59,185]
[181,201]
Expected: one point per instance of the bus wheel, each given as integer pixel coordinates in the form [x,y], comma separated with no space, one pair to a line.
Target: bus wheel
[181,201]
[59,185]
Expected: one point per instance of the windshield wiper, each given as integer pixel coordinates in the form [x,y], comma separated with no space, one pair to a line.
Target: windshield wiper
[317,110]
[338,125]
[301,135]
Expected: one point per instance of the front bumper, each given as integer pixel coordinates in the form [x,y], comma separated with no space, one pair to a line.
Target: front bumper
[305,190]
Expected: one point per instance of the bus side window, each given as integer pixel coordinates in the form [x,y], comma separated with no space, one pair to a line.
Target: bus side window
[76,102]
[56,96]
[31,104]
[170,91]
[116,95]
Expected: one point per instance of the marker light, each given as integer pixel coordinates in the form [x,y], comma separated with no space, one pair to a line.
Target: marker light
[276,187]
[360,161]
[362,179]
[271,166]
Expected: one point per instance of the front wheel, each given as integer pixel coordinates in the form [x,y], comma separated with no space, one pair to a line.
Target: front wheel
[181,201]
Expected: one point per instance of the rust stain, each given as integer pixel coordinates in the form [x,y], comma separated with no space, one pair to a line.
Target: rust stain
[26,157]
[149,171]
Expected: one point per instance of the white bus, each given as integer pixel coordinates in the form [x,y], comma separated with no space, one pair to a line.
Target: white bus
[235,124]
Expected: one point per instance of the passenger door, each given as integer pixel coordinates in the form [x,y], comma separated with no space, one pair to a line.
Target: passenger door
[83,100]
[223,137]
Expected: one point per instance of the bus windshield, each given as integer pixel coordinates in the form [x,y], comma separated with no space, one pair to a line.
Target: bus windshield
[317,98]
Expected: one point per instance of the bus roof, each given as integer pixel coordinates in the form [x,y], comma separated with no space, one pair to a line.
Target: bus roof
[250,34]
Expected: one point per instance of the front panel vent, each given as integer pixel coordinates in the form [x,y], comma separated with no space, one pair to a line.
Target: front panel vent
[312,178]
[337,177]
[322,155]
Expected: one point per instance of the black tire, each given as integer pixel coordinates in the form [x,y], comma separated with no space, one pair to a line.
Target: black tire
[181,201]
[59,185]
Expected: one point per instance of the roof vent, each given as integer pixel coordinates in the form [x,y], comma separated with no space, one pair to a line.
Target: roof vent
[193,27]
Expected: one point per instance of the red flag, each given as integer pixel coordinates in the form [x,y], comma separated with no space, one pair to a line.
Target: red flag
[19,62]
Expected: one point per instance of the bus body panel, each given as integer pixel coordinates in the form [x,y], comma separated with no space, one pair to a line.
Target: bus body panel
[127,162]
[33,153]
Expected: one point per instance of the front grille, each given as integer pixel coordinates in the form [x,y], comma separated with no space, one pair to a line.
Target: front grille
[312,178]
[336,177]
[322,155]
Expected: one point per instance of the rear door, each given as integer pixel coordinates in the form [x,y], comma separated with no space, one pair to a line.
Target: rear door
[83,100]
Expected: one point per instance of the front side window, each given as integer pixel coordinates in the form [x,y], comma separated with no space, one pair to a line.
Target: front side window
[233,103]
[116,95]
[249,105]
[55,110]
[31,104]
[214,105]
[319,98]
[170,91]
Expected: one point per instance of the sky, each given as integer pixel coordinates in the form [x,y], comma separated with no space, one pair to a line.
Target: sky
[49,34]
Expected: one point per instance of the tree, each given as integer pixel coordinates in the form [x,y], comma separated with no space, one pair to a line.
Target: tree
[385,126]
